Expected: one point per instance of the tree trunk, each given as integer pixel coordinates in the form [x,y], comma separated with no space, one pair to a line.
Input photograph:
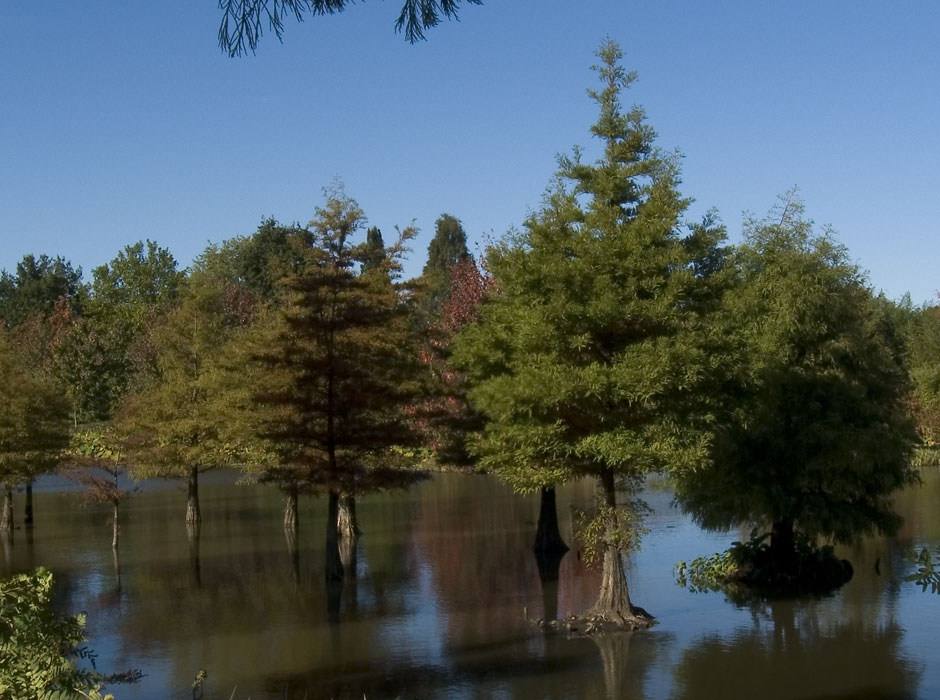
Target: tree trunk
[782,544]
[193,517]
[347,522]
[28,509]
[613,602]
[116,526]
[547,536]
[334,563]
[6,515]
[290,511]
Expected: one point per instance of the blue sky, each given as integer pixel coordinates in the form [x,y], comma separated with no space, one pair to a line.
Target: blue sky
[123,121]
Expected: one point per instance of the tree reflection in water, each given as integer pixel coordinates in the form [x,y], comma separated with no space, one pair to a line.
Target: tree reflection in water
[792,652]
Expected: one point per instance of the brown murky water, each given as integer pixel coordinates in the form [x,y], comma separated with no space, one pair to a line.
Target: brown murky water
[444,580]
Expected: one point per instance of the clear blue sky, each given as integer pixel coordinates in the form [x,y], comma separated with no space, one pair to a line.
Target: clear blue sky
[123,121]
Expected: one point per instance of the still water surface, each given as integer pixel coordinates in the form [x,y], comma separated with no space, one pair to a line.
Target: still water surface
[445,578]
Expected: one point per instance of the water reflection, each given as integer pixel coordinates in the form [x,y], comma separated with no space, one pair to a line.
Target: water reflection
[434,599]
[793,652]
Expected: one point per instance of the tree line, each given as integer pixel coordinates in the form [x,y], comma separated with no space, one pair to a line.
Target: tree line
[609,338]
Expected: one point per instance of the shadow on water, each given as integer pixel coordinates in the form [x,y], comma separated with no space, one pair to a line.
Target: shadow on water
[195,564]
[549,565]
[792,651]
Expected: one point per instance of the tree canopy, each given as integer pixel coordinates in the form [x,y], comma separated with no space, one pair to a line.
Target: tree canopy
[351,355]
[816,436]
[588,358]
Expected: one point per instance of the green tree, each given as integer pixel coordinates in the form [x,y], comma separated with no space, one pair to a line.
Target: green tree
[258,262]
[171,425]
[591,358]
[351,357]
[373,253]
[33,424]
[816,436]
[923,336]
[243,20]
[141,277]
[35,287]
[99,353]
[446,249]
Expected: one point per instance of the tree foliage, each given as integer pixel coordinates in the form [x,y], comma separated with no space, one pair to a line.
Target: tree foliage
[40,649]
[447,248]
[172,425]
[33,420]
[243,21]
[592,357]
[36,286]
[258,262]
[816,435]
[587,357]
[351,357]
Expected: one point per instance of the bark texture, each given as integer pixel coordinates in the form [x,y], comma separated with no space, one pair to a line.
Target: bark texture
[291,522]
[613,601]
[347,521]
[116,527]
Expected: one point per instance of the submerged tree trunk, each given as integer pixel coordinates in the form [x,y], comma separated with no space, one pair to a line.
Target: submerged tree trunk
[334,563]
[193,517]
[6,515]
[347,522]
[116,526]
[613,602]
[547,536]
[782,543]
[291,522]
[28,508]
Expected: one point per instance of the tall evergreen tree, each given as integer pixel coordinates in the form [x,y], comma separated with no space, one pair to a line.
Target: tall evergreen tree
[373,253]
[591,358]
[446,249]
[816,435]
[351,357]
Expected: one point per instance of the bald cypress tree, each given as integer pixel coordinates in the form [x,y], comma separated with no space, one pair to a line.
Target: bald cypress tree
[351,363]
[815,435]
[591,360]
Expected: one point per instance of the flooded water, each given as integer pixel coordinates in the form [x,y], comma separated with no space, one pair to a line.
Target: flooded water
[445,580]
